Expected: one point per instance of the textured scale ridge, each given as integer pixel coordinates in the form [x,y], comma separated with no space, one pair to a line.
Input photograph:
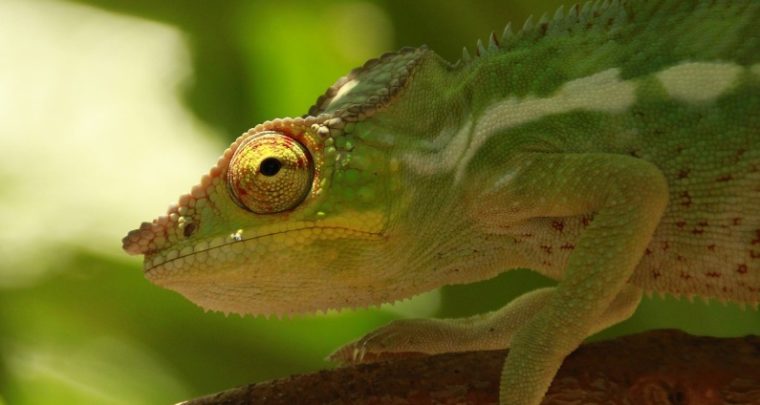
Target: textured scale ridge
[612,13]
[398,65]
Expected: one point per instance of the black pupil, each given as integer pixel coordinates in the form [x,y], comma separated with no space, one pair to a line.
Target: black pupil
[270,166]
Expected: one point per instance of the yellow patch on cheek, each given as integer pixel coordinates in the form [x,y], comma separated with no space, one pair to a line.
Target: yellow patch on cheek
[268,239]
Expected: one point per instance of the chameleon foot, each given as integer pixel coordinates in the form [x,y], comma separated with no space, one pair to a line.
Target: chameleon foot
[398,339]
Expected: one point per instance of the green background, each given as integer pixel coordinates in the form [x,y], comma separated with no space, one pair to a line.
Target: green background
[90,329]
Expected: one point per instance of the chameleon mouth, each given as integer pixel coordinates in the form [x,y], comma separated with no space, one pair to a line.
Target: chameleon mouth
[236,243]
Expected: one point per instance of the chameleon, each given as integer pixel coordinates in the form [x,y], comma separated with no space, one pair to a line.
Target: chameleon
[614,147]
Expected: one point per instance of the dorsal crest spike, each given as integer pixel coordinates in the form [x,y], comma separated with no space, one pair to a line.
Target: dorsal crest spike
[573,10]
[543,20]
[528,25]
[466,55]
[585,11]
[479,48]
[506,35]
[493,43]
[578,17]
[560,13]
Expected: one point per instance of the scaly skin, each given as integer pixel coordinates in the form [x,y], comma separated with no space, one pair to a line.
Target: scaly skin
[615,149]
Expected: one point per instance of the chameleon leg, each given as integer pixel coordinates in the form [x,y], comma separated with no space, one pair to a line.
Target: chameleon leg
[490,331]
[480,332]
[628,197]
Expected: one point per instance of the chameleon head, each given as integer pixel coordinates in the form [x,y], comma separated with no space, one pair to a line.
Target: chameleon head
[289,212]
[298,213]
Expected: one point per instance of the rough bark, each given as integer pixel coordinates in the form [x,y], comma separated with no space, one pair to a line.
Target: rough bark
[656,367]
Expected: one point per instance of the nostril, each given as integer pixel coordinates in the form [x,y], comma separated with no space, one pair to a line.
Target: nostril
[189,229]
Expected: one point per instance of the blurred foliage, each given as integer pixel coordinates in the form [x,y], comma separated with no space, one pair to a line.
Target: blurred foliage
[94,331]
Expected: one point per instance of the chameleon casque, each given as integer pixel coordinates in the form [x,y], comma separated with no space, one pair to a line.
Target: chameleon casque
[614,148]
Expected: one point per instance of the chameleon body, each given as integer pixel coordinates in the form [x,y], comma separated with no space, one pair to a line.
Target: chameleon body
[614,148]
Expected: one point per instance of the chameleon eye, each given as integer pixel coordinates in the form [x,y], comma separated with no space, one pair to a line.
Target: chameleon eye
[270,173]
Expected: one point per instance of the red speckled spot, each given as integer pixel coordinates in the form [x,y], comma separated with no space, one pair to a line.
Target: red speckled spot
[756,241]
[741,269]
[685,199]
[558,225]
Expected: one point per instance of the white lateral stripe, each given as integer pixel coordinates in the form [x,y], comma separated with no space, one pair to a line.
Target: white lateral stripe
[690,82]
[603,91]
[698,82]
[448,147]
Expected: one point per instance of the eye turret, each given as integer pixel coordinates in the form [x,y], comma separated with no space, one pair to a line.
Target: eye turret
[270,173]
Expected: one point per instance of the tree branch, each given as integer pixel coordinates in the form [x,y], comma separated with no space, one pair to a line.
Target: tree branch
[655,367]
